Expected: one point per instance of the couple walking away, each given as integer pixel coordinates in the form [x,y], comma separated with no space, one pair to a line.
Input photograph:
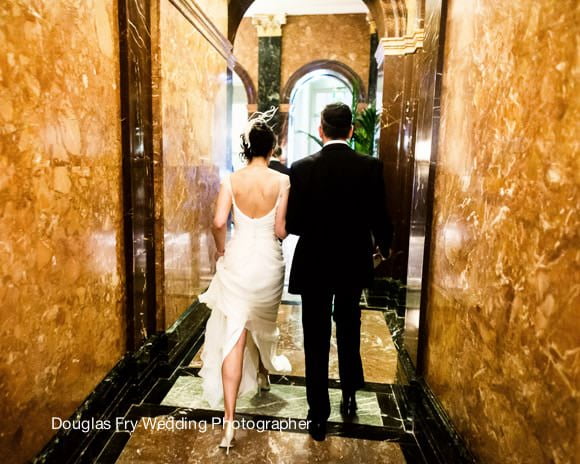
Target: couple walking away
[334,201]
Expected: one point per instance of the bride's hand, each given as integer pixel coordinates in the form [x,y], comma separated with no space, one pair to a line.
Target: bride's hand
[218,254]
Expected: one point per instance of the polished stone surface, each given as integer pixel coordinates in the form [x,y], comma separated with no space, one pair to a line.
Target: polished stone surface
[246,49]
[199,445]
[280,401]
[61,264]
[269,62]
[190,155]
[504,328]
[314,37]
[378,352]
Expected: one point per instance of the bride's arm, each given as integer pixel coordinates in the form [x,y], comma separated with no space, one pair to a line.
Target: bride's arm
[280,227]
[220,220]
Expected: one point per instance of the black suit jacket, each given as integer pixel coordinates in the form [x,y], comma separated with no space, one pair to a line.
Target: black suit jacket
[336,206]
[278,166]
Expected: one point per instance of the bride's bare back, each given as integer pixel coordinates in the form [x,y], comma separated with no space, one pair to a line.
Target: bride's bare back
[256,190]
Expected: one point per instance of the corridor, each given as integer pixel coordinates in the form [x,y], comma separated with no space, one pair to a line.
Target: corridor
[382,431]
[424,151]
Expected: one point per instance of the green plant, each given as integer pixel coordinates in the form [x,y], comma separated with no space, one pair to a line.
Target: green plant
[313,137]
[365,126]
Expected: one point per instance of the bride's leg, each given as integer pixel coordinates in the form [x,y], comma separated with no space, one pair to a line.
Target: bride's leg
[232,376]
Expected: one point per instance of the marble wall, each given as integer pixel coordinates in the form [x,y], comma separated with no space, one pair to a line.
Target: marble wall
[503,325]
[61,321]
[310,38]
[246,48]
[190,135]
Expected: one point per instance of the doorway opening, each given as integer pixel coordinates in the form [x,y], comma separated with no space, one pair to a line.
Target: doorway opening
[309,96]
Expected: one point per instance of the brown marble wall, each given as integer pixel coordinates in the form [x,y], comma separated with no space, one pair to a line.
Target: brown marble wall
[191,104]
[246,48]
[504,331]
[310,38]
[61,272]
[313,37]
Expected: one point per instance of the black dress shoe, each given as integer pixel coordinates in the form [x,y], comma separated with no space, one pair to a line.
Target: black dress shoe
[348,405]
[317,430]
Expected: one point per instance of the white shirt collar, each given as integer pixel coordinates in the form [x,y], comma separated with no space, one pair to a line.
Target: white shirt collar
[330,142]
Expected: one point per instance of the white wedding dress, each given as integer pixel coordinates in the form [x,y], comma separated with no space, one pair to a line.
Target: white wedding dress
[245,293]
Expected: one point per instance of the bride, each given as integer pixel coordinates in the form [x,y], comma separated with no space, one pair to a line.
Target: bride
[241,335]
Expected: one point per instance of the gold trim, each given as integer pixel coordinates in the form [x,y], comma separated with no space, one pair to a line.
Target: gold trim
[269,25]
[397,46]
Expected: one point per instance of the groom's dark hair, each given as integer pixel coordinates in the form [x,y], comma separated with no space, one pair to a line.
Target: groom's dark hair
[336,121]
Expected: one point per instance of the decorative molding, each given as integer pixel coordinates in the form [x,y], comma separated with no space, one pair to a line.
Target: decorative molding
[249,86]
[397,46]
[372,24]
[200,21]
[330,65]
[269,25]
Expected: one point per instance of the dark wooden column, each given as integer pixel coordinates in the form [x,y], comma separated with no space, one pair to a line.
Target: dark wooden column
[137,145]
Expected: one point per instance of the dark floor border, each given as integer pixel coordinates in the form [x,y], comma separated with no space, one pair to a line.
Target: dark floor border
[127,383]
[434,430]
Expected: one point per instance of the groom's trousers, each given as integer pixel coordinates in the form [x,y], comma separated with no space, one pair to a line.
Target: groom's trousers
[316,323]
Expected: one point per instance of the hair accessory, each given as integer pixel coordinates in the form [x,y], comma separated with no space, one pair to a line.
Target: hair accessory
[258,117]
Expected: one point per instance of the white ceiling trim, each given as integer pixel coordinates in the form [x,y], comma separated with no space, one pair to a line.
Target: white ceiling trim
[306,7]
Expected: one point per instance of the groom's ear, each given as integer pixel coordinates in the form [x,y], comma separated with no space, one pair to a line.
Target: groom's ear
[351,132]
[320,132]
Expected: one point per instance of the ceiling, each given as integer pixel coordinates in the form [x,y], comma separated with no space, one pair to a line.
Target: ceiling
[306,7]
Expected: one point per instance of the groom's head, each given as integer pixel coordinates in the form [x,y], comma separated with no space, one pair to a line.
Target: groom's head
[336,122]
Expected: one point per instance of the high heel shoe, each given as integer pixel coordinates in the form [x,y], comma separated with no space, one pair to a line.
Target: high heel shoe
[263,382]
[228,436]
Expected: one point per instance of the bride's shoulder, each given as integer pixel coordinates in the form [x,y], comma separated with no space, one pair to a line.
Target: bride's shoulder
[284,179]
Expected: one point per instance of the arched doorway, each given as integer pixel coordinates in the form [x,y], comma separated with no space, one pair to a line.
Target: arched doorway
[310,94]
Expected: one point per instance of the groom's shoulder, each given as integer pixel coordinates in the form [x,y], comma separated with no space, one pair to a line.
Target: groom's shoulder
[305,162]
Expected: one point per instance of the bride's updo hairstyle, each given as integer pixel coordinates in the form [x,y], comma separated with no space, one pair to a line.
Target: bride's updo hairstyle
[259,138]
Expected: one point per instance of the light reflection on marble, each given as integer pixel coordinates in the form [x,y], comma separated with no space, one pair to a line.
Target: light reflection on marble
[191,113]
[61,263]
[280,401]
[504,328]
[196,446]
[378,351]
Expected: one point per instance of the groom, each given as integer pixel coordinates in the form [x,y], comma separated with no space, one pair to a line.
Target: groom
[336,206]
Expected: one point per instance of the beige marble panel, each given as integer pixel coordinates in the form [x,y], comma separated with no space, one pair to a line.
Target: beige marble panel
[61,269]
[504,326]
[217,12]
[199,444]
[192,142]
[378,352]
[314,37]
[246,48]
